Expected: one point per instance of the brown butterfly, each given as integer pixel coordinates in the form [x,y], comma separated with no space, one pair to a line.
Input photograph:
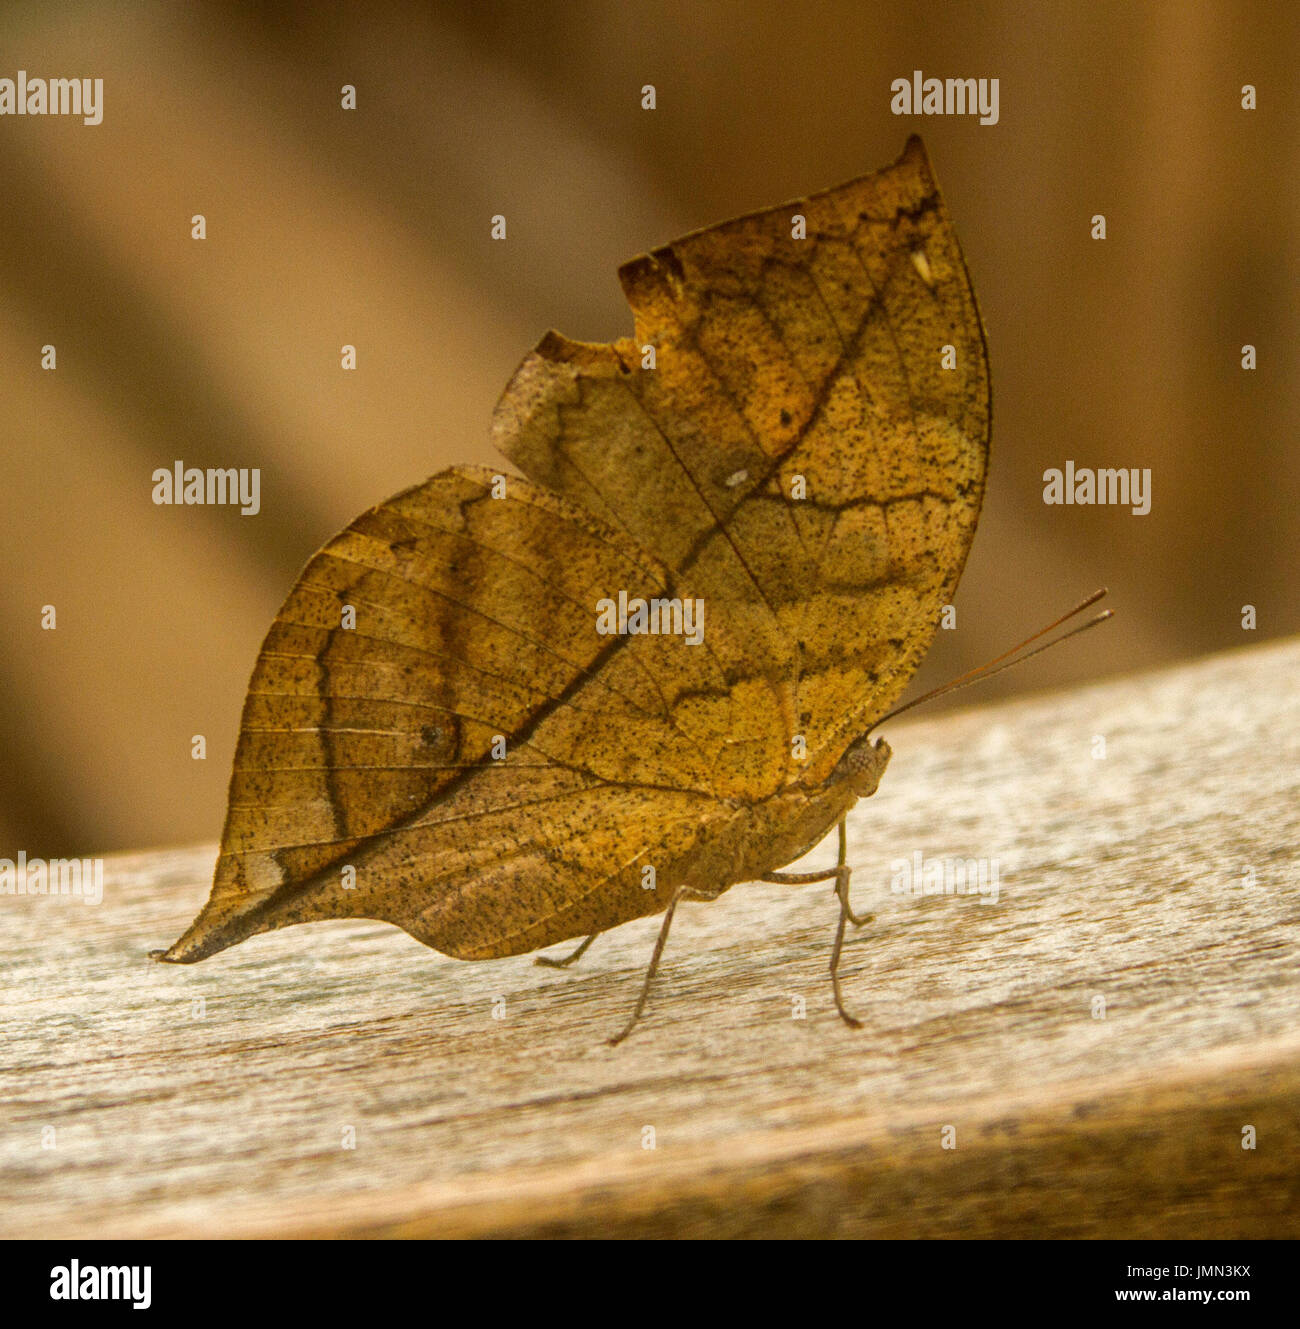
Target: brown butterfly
[447,728]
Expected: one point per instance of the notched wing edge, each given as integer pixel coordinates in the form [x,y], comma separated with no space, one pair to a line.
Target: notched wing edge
[644,279]
[660,272]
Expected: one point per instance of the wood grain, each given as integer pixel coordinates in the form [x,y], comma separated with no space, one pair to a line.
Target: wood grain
[1161,878]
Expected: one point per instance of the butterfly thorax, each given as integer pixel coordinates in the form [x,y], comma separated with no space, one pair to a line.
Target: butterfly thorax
[780,829]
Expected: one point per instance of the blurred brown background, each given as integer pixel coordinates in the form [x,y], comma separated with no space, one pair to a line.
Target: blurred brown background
[372,228]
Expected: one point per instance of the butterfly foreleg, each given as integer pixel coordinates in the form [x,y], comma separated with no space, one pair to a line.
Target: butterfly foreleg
[568,959]
[683,893]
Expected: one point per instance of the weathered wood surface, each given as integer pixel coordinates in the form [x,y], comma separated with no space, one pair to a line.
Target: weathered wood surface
[1161,879]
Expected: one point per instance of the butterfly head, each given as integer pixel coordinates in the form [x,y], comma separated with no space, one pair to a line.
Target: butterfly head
[863,764]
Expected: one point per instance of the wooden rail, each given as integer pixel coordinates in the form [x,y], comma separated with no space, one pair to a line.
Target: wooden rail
[1098,1044]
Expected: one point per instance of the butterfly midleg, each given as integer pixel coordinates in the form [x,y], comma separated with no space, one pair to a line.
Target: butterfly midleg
[683,893]
[851,1020]
[841,874]
[568,959]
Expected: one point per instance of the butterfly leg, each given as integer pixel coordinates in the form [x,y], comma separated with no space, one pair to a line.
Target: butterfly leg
[568,959]
[841,874]
[851,1020]
[842,871]
[683,893]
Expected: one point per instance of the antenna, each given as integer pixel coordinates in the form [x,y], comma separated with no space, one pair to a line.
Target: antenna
[1006,660]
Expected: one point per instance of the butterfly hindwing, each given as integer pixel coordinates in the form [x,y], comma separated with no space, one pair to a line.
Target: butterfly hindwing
[471,728]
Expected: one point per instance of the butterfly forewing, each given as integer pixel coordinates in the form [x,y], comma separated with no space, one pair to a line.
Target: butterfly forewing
[808,451]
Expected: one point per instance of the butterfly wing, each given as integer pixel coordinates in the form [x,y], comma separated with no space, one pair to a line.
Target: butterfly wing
[471,759]
[809,449]
[436,734]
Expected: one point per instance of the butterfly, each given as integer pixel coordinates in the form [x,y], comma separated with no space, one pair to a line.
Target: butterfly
[451,729]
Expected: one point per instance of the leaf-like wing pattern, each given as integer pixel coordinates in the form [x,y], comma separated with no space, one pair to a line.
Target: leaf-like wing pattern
[437,734]
[803,450]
